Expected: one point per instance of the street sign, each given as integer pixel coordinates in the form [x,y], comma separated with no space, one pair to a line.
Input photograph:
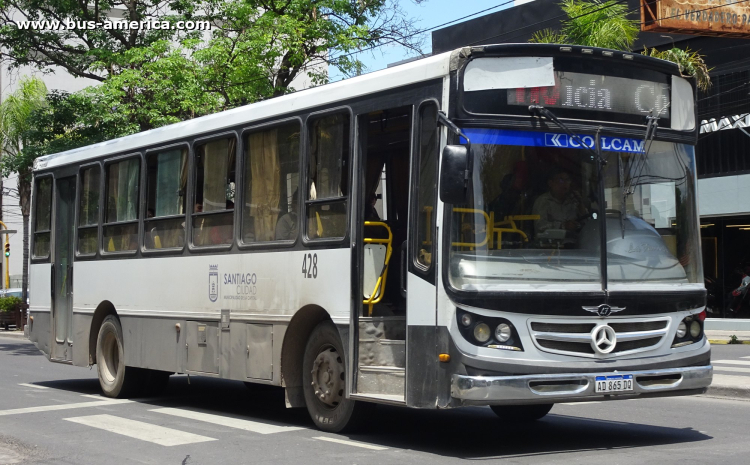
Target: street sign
[725,18]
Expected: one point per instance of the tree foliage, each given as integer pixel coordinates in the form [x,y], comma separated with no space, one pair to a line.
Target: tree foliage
[594,23]
[690,63]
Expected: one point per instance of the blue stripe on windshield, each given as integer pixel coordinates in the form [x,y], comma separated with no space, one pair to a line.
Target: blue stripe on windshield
[550,139]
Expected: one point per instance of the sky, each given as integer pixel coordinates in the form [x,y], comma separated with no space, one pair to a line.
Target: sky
[429,13]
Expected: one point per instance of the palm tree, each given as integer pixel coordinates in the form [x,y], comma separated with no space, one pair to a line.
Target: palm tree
[594,23]
[600,23]
[16,113]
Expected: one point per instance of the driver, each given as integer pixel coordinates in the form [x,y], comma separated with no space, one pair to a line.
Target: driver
[560,206]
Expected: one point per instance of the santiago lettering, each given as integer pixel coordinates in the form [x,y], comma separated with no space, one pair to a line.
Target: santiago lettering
[245,285]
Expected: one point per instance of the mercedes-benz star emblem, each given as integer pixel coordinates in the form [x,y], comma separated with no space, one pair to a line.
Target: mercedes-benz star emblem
[603,310]
[603,339]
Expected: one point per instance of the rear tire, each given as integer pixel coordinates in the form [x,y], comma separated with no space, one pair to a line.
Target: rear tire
[115,378]
[521,413]
[324,382]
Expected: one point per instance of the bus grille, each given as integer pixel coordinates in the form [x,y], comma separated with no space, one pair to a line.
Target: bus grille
[567,338]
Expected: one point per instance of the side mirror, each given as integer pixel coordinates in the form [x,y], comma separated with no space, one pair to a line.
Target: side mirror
[454,174]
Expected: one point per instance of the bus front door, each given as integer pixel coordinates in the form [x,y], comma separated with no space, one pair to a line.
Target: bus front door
[62,270]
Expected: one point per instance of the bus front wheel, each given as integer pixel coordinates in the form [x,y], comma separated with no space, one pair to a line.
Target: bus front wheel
[115,378]
[324,382]
[521,413]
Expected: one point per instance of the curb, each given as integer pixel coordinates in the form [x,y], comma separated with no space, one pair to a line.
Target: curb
[726,342]
[13,334]
[732,392]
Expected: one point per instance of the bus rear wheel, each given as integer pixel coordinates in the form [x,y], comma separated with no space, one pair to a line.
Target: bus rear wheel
[521,413]
[115,378]
[324,382]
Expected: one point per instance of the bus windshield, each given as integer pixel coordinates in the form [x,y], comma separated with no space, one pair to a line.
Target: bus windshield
[532,220]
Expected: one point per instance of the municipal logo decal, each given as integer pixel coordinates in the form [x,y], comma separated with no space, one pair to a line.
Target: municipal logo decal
[213,282]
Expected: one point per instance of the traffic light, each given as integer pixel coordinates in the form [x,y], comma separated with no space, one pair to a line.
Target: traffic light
[7,250]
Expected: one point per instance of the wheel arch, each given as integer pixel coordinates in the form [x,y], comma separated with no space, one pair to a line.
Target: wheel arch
[104,309]
[293,350]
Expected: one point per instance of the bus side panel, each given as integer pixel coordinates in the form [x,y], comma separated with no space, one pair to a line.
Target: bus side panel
[40,306]
[258,292]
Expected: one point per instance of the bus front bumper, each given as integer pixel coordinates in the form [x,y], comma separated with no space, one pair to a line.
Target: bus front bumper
[551,388]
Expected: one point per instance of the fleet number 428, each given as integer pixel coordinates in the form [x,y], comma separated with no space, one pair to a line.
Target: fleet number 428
[310,265]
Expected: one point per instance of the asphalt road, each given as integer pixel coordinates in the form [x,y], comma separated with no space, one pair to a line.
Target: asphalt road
[52,413]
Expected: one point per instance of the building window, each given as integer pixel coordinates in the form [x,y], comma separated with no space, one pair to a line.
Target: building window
[42,217]
[426,183]
[213,209]
[167,175]
[88,211]
[328,177]
[121,221]
[271,179]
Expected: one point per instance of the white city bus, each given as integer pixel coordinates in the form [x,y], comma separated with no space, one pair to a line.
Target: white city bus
[430,235]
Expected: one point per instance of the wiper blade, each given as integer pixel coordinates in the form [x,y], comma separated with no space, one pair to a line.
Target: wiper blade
[539,110]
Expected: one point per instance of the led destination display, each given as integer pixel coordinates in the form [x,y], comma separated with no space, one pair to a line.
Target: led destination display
[579,91]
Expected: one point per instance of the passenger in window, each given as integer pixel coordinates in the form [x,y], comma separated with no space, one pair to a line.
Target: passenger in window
[371,213]
[560,207]
[287,227]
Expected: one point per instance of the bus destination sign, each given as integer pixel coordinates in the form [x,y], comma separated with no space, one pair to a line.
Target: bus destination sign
[580,91]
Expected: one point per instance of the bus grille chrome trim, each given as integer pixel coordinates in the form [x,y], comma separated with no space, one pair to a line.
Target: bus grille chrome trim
[566,338]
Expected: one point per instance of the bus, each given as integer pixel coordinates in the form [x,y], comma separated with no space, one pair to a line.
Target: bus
[505,225]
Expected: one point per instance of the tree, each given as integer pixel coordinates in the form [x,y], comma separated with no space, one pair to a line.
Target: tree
[16,119]
[605,24]
[593,23]
[690,63]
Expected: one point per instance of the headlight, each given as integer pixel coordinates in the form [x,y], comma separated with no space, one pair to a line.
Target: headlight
[503,332]
[482,332]
[695,329]
[681,330]
[466,319]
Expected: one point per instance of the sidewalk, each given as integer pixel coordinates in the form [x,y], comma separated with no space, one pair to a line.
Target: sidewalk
[11,333]
[723,336]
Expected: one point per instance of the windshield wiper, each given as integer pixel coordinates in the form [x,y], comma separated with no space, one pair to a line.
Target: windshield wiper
[639,163]
[596,157]
[538,110]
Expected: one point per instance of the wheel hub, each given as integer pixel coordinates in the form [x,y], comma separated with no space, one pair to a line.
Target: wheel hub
[328,377]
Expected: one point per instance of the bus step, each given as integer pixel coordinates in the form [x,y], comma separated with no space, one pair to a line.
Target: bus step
[382,352]
[381,380]
[383,327]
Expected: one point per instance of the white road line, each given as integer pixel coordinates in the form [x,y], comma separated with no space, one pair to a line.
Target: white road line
[745,357]
[32,386]
[50,408]
[732,369]
[732,362]
[579,403]
[350,443]
[247,425]
[140,430]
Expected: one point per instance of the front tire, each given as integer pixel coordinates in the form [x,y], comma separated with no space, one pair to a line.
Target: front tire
[521,413]
[115,378]
[324,382]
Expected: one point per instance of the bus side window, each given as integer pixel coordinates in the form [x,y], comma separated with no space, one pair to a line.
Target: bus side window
[166,187]
[42,217]
[213,207]
[271,181]
[121,214]
[328,177]
[88,211]
[426,184]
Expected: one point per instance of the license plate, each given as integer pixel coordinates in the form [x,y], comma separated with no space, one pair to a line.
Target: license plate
[614,383]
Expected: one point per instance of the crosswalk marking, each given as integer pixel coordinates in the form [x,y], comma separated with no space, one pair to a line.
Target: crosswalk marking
[50,408]
[350,443]
[32,386]
[733,362]
[247,425]
[745,357]
[732,369]
[140,430]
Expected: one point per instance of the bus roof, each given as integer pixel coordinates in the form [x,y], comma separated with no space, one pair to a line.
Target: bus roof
[417,71]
